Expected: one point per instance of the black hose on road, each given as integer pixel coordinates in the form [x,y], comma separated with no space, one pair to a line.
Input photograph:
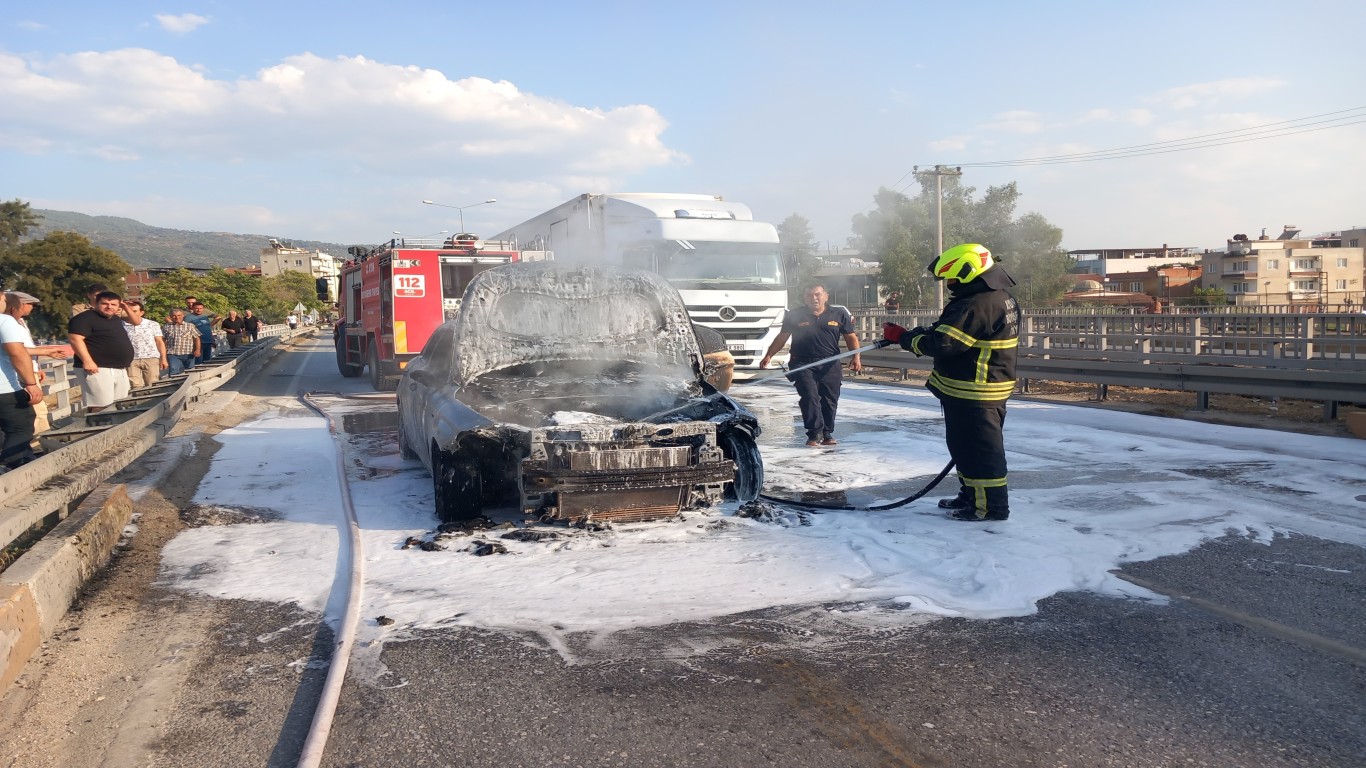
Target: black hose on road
[876,507]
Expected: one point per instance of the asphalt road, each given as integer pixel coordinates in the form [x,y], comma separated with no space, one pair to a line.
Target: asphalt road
[1258,660]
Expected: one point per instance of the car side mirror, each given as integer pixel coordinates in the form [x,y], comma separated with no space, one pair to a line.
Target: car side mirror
[426,378]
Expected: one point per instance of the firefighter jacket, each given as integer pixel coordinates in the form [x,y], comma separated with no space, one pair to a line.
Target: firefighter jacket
[974,341]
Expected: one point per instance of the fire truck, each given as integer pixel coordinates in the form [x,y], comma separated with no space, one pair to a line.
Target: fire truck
[393,296]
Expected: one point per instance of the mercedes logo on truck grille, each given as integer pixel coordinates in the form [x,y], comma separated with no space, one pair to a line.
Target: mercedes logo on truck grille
[728,313]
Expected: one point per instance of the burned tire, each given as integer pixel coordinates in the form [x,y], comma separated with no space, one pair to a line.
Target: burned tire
[347,369]
[405,447]
[739,447]
[378,380]
[459,486]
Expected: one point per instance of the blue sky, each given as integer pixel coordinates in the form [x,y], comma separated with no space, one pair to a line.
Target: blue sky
[333,121]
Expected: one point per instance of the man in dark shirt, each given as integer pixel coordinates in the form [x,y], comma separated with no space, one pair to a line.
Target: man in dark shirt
[815,332]
[104,351]
[204,321]
[235,328]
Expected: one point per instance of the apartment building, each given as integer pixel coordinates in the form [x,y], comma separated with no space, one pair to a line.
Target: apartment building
[280,257]
[1106,261]
[1299,272]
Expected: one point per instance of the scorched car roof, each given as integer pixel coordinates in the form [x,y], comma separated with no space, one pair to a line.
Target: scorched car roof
[545,311]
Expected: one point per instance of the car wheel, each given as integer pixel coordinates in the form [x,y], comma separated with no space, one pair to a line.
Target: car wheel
[739,447]
[405,447]
[347,369]
[459,487]
[378,380]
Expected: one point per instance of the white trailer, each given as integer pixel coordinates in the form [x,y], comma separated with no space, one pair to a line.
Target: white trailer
[727,266]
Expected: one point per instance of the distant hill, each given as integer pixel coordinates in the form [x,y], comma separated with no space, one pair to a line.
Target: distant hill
[146,246]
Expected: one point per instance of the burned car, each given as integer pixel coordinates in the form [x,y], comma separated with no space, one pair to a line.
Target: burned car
[577,393]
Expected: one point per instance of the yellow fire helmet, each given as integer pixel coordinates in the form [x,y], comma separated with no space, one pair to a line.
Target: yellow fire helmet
[962,263]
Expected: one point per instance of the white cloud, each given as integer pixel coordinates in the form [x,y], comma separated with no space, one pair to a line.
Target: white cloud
[31,26]
[1101,115]
[182,24]
[1015,121]
[1203,94]
[402,119]
[952,143]
[1139,116]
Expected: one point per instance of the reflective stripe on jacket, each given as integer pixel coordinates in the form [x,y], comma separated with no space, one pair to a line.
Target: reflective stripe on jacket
[974,345]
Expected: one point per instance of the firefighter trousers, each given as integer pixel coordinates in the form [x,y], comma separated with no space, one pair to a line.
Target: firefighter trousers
[976,444]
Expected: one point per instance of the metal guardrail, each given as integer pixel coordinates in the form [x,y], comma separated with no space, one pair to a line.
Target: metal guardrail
[90,450]
[1268,340]
[1331,387]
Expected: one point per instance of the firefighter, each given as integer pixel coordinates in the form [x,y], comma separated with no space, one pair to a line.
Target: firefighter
[973,344]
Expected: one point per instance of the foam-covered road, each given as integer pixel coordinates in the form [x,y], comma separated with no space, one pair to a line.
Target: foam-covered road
[1164,592]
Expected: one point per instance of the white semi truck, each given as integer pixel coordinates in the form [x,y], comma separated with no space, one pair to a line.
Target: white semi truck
[728,267]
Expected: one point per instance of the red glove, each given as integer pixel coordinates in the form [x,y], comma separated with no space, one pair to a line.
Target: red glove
[892,332]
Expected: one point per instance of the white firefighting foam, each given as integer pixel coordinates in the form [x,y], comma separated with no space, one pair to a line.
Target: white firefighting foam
[1091,489]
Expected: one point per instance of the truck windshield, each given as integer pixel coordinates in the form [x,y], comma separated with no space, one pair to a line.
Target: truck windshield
[751,265]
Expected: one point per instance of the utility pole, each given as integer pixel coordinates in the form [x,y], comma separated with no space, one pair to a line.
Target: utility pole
[938,173]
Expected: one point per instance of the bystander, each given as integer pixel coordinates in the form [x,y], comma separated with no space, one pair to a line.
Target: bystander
[19,305]
[182,342]
[149,350]
[19,390]
[204,322]
[104,351]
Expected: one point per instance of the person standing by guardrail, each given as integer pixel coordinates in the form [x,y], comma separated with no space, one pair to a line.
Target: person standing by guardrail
[974,344]
[253,325]
[149,350]
[19,305]
[19,390]
[205,324]
[104,351]
[234,328]
[182,342]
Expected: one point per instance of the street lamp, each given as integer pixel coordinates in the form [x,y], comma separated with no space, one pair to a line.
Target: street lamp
[460,208]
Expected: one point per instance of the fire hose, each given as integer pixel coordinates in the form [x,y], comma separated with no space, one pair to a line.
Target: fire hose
[879,344]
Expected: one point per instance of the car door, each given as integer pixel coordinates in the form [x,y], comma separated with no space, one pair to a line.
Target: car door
[425,382]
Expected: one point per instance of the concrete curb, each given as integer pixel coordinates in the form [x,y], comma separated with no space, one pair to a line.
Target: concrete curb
[37,589]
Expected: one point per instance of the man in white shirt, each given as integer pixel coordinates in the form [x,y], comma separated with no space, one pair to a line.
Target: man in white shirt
[19,305]
[19,390]
[149,348]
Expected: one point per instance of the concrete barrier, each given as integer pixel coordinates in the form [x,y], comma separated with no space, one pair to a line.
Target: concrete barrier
[37,589]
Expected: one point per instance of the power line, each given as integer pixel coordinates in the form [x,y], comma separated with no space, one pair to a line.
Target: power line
[1116,154]
[1336,119]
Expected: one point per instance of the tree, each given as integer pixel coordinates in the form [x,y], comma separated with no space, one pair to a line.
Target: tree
[1210,297]
[58,269]
[799,249]
[900,232]
[170,292]
[283,291]
[16,219]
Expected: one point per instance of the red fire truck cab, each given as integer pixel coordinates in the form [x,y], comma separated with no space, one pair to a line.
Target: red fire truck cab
[393,296]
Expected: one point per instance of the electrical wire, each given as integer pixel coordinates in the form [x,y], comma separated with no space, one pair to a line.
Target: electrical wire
[1337,119]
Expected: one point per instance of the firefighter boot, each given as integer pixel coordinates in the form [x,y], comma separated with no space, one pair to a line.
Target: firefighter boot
[994,505]
[961,501]
[972,514]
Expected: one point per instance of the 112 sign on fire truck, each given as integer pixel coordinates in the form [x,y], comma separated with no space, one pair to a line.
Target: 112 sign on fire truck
[393,296]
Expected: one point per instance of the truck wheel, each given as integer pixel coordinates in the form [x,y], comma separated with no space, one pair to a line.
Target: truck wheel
[459,487]
[739,447]
[347,369]
[405,448]
[378,380]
